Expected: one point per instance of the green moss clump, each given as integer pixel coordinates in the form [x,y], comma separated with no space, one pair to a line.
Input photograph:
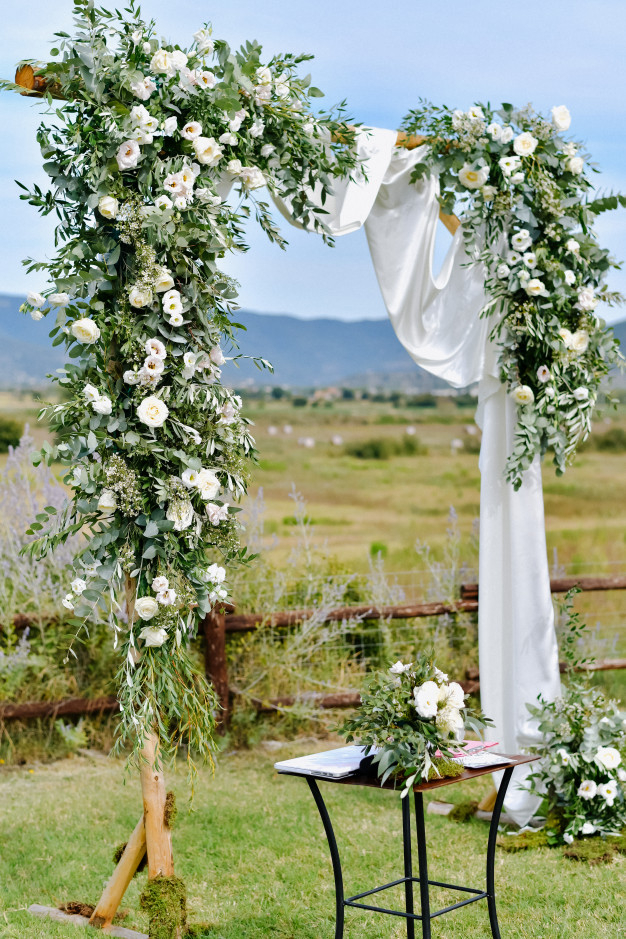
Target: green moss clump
[596,850]
[165,901]
[117,854]
[444,767]
[170,811]
[523,841]
[463,811]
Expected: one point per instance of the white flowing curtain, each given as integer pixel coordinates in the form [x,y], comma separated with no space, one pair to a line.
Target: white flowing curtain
[437,319]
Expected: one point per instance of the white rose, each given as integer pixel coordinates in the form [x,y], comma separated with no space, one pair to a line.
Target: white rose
[588,828]
[146,607]
[166,597]
[525,144]
[160,583]
[35,299]
[495,131]
[575,165]
[488,192]
[152,411]
[128,155]
[449,720]
[256,128]
[85,330]
[579,341]
[207,150]
[561,117]
[217,356]
[59,299]
[507,134]
[91,393]
[471,178]
[426,699]
[582,394]
[164,281]
[535,287]
[216,513]
[572,246]
[252,177]
[523,395]
[108,206]
[140,297]
[521,240]
[107,502]
[191,130]
[503,271]
[131,377]
[162,63]
[207,484]
[587,299]
[179,59]
[234,167]
[216,574]
[566,336]
[570,278]
[153,636]
[170,125]
[103,405]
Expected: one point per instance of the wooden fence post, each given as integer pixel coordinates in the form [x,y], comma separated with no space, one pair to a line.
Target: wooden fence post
[216,666]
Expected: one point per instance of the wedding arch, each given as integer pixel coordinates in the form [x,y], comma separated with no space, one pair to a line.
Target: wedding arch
[157,158]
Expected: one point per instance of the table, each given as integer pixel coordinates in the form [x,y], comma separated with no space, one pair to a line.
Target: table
[425,915]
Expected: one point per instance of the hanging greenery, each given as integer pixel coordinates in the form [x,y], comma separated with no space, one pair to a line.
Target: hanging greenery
[156,158]
[522,191]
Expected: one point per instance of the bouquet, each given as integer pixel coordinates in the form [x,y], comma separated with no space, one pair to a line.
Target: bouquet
[414,718]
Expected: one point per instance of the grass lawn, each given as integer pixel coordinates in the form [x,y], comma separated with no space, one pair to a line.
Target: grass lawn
[256,863]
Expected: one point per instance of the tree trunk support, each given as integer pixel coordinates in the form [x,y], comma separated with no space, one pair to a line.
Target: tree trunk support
[115,889]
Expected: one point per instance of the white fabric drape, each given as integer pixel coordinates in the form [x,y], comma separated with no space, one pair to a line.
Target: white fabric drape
[437,319]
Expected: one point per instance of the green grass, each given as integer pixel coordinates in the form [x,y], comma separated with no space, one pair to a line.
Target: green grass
[256,863]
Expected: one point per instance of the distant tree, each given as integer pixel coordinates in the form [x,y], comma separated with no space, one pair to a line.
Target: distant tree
[10,433]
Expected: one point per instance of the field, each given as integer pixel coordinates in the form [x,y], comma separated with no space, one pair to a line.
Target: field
[256,863]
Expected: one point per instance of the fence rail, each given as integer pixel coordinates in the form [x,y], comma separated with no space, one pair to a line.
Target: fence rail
[226,620]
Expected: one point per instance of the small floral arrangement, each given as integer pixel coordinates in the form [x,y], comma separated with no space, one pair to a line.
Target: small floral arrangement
[582,771]
[414,718]
[523,195]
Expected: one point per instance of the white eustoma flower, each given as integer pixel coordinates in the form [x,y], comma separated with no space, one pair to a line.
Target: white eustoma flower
[521,240]
[35,299]
[131,377]
[564,756]
[160,583]
[579,341]
[162,63]
[85,331]
[91,393]
[587,789]
[608,757]
[507,134]
[568,838]
[455,695]
[206,79]
[252,177]
[256,128]
[608,791]
[152,411]
[191,130]
[399,669]
[154,364]
[216,356]
[561,117]
[107,502]
[237,120]
[475,113]
[570,278]
[175,319]
[168,596]
[439,675]
[59,299]
[543,374]
[581,393]
[228,139]
[513,257]
[426,699]
[575,165]
[179,59]
[181,202]
[78,585]
[573,246]
[535,288]
[587,299]
[170,125]
[108,206]
[509,164]
[216,574]
[621,774]
[204,43]
[140,297]
[172,302]
[173,183]
[570,149]
[488,192]
[566,336]
[503,271]
[190,478]
[163,202]
[146,607]
[36,315]
[518,178]
[525,144]
[523,394]
[207,484]
[155,347]
[495,131]
[471,178]
[143,87]
[128,155]
[588,828]
[524,276]
[153,636]
[68,602]
[216,513]
[103,405]
[141,117]
[207,150]
[530,259]
[234,167]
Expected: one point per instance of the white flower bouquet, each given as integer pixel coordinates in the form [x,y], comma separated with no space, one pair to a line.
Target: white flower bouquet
[415,718]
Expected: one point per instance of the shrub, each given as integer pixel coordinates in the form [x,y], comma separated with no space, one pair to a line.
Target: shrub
[299,402]
[422,401]
[10,433]
[382,448]
[614,441]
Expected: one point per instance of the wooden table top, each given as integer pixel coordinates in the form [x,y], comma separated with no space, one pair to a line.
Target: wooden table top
[371,781]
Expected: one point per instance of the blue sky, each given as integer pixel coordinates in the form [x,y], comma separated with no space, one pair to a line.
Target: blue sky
[382,57]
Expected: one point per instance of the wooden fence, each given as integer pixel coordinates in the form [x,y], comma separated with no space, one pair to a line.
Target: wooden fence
[226,620]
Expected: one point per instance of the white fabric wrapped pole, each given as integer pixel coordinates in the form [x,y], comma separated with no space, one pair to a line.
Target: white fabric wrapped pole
[438,322]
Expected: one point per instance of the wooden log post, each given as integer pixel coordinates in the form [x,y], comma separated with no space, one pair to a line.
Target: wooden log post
[216,665]
[158,835]
[115,889]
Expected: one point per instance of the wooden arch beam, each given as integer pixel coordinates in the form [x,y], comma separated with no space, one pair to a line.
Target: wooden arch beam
[33,84]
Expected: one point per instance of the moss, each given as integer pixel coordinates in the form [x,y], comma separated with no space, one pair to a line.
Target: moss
[523,841]
[117,854]
[463,811]
[596,850]
[165,901]
[444,767]
[170,811]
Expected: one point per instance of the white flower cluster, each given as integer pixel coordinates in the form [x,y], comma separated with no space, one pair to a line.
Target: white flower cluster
[442,701]
[151,372]
[100,403]
[147,608]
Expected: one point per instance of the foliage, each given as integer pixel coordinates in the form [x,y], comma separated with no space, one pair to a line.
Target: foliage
[408,717]
[613,441]
[581,771]
[10,433]
[382,448]
[522,190]
[156,448]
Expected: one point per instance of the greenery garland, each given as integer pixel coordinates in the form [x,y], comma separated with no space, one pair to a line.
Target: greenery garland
[142,157]
[522,193]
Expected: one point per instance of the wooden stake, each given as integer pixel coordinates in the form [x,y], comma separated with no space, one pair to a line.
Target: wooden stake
[158,835]
[216,666]
[115,889]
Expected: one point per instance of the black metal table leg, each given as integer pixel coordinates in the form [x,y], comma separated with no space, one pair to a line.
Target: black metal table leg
[408,865]
[491,851]
[422,861]
[334,854]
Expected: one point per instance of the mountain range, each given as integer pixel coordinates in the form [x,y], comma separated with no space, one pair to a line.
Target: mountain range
[305,353]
